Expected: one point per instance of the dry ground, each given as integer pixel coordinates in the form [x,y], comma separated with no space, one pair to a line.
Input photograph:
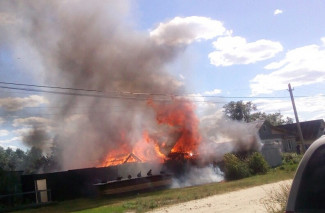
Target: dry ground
[246,200]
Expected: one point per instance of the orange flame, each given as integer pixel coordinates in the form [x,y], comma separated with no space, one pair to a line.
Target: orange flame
[180,117]
[142,151]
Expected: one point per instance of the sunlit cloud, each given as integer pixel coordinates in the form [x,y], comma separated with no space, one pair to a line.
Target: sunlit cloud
[4,132]
[16,103]
[277,12]
[236,50]
[301,66]
[185,30]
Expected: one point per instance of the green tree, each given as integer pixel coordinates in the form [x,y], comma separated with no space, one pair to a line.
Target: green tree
[274,118]
[34,160]
[239,110]
[243,111]
[3,159]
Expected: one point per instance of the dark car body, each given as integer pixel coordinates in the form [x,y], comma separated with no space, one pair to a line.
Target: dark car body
[307,192]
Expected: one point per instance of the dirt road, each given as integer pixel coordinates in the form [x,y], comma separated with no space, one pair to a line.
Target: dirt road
[246,200]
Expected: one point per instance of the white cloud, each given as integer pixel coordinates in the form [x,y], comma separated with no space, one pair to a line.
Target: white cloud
[15,104]
[31,121]
[236,50]
[14,139]
[3,132]
[277,12]
[308,108]
[213,92]
[22,131]
[301,66]
[2,120]
[184,30]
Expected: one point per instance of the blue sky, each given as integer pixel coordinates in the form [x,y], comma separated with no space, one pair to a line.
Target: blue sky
[299,24]
[237,48]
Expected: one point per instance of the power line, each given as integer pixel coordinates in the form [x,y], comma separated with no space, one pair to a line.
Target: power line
[51,87]
[102,96]
[134,95]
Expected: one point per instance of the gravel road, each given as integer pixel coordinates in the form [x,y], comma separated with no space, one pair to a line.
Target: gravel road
[246,200]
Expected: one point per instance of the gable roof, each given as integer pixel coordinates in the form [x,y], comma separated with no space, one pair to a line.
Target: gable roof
[310,129]
[256,124]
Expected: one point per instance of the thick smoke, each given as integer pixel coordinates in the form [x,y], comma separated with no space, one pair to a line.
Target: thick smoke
[36,137]
[223,135]
[94,45]
[91,44]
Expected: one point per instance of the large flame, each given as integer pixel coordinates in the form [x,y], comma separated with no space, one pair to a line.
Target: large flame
[180,117]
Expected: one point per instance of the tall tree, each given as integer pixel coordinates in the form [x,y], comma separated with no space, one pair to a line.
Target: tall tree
[239,110]
[274,118]
[243,112]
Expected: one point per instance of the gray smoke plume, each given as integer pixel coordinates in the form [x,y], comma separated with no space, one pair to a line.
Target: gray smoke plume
[36,137]
[93,45]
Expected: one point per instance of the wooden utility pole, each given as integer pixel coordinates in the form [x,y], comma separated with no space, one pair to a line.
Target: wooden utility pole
[297,120]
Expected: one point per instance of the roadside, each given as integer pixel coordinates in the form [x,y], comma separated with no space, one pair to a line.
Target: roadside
[245,200]
[158,199]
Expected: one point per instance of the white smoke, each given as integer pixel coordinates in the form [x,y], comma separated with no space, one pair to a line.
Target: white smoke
[222,135]
[198,176]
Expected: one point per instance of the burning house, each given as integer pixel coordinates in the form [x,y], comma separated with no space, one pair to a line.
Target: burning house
[78,183]
[118,105]
[114,179]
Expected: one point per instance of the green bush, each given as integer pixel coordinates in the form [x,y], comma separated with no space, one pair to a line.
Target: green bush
[291,158]
[235,168]
[290,161]
[257,164]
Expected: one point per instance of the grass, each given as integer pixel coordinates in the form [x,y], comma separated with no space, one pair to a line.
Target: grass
[276,199]
[148,201]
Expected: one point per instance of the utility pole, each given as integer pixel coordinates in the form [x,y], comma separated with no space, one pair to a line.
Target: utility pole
[297,120]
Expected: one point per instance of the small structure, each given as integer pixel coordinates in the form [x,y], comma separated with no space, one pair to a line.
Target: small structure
[275,141]
[284,138]
[311,131]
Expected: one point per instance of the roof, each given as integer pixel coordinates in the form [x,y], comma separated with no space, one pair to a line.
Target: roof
[310,129]
[256,124]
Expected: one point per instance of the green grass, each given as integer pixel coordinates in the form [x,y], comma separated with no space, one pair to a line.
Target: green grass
[147,201]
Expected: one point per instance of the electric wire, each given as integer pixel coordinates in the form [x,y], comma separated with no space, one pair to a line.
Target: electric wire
[142,96]
[51,87]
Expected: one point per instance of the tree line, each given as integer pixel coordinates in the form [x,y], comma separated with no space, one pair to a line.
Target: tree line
[30,161]
[247,112]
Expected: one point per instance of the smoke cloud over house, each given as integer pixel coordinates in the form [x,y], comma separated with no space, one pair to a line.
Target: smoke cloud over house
[94,46]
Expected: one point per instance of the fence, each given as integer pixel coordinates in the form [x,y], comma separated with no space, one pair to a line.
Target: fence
[20,200]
